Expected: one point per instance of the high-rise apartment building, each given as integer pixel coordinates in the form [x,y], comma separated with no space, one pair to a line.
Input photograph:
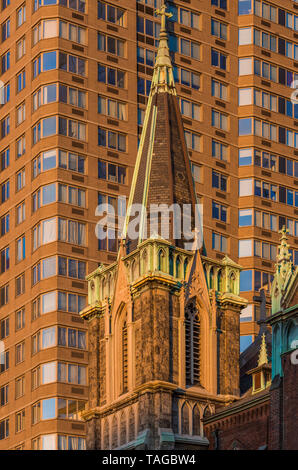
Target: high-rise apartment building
[76,75]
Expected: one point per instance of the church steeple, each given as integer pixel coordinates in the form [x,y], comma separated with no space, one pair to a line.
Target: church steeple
[284,263]
[154,302]
[263,358]
[284,272]
[162,172]
[261,375]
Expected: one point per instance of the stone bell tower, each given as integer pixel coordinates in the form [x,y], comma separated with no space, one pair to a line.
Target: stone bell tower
[163,320]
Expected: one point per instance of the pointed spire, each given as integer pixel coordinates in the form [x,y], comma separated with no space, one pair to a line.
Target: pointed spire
[162,174]
[284,254]
[261,375]
[284,273]
[263,358]
[163,77]
[284,263]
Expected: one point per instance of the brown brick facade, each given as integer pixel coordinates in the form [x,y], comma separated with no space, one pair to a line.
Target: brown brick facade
[283,408]
[242,430]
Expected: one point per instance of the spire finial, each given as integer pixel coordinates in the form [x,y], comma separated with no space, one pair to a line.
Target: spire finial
[284,231]
[284,271]
[263,358]
[163,13]
[163,78]
[284,262]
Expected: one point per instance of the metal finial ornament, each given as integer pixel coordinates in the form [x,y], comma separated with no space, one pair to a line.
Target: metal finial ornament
[263,358]
[284,261]
[163,76]
[163,13]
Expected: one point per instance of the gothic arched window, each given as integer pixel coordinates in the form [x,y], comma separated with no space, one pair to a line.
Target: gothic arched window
[211,278]
[104,288]
[185,268]
[114,432]
[131,425]
[178,266]
[192,345]
[161,259]
[277,351]
[219,281]
[171,264]
[196,421]
[144,262]
[185,419]
[135,269]
[233,283]
[106,435]
[123,438]
[124,346]
[111,284]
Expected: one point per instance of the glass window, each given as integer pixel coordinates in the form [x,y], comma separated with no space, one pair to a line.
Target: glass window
[247,313]
[49,126]
[49,61]
[245,217]
[48,337]
[49,267]
[245,281]
[245,66]
[245,36]
[49,372]
[50,29]
[245,156]
[245,248]
[258,248]
[245,187]
[49,230]
[48,160]
[245,341]
[49,303]
[49,93]
[258,218]
[48,408]
[245,96]
[245,126]
[49,440]
[49,193]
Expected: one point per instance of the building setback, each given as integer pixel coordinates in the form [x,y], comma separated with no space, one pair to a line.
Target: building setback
[76,81]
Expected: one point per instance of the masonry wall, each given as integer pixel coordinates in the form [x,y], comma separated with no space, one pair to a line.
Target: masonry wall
[156,312]
[247,430]
[290,403]
[155,342]
[228,352]
[283,408]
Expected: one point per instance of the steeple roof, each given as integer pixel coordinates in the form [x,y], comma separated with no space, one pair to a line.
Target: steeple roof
[285,273]
[162,172]
[284,263]
[261,375]
[263,358]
